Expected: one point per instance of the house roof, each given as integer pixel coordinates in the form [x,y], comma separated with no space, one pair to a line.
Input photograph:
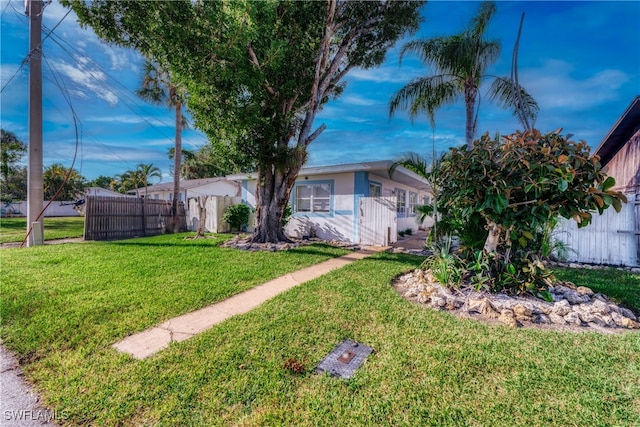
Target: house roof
[620,133]
[381,167]
[186,184]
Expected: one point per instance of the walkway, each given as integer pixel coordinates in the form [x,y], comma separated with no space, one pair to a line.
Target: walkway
[151,341]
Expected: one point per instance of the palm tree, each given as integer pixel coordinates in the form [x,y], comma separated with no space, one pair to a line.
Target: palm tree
[460,63]
[143,174]
[158,87]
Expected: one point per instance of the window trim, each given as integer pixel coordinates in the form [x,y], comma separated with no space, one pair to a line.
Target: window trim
[294,198]
[377,184]
[411,208]
[401,207]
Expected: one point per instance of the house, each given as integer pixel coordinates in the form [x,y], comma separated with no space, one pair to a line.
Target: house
[191,188]
[619,151]
[356,202]
[614,238]
[103,192]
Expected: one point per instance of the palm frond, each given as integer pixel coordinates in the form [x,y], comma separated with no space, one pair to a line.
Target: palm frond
[505,93]
[425,94]
[414,162]
[480,22]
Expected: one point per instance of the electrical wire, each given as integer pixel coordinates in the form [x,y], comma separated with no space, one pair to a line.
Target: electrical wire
[75,154]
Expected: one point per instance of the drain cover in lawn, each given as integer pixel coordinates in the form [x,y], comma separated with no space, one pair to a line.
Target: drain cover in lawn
[344,359]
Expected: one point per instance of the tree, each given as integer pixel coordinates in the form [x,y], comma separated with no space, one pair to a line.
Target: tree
[513,187]
[159,87]
[212,160]
[103,181]
[258,72]
[12,151]
[460,63]
[142,176]
[61,183]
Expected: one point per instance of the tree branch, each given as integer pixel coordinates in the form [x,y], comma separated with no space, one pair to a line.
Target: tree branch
[254,60]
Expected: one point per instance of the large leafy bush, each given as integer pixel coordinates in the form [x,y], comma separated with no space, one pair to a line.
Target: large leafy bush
[501,195]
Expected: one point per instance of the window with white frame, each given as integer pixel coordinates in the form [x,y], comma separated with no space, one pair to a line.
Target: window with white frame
[401,205]
[375,189]
[313,197]
[413,199]
[426,199]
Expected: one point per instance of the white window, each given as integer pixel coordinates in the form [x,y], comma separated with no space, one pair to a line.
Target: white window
[426,200]
[401,196]
[313,198]
[375,190]
[413,198]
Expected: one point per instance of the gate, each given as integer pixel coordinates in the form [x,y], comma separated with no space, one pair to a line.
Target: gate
[377,221]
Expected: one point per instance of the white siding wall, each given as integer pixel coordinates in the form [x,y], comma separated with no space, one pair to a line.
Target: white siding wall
[409,220]
[609,239]
[339,223]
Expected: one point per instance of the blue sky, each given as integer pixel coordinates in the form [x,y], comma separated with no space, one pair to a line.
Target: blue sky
[580,60]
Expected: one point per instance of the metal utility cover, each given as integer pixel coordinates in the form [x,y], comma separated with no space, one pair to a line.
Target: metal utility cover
[344,359]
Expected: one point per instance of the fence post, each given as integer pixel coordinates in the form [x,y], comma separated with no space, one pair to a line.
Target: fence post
[144,218]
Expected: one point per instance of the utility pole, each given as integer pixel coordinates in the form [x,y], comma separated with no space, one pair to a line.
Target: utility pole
[35,184]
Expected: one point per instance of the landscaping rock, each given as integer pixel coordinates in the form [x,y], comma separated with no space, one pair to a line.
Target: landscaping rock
[574,308]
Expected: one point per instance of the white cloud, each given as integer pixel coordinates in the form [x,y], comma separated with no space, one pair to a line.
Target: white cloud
[359,101]
[131,119]
[385,74]
[92,80]
[556,86]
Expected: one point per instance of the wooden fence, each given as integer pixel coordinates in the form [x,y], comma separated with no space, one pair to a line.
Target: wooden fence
[612,238]
[109,218]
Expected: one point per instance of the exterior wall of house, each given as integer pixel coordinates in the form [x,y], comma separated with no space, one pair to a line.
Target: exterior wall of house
[407,219]
[341,220]
[625,166]
[218,188]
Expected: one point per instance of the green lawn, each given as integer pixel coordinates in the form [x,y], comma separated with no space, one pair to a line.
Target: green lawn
[63,306]
[14,229]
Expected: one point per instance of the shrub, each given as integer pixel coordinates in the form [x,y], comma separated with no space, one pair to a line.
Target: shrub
[503,196]
[237,216]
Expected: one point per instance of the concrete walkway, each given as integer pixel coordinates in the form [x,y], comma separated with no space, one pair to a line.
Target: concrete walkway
[151,341]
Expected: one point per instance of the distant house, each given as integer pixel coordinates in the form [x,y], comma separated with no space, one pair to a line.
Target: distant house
[191,188]
[355,202]
[104,192]
[614,238]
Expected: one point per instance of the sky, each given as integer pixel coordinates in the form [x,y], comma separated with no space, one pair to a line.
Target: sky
[579,60]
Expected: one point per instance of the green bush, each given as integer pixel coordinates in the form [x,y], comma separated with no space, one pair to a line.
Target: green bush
[237,216]
[503,196]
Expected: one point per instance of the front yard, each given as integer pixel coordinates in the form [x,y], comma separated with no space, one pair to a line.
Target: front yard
[14,229]
[63,306]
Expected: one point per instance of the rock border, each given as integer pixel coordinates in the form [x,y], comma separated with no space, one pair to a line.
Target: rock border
[243,242]
[574,308]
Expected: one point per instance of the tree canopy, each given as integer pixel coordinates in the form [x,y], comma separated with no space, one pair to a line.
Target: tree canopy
[258,72]
[13,175]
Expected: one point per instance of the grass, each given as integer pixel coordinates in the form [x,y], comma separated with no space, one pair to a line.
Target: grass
[14,229]
[622,286]
[62,313]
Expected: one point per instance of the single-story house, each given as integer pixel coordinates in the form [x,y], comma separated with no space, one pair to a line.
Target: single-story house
[356,202]
[104,192]
[613,238]
[191,188]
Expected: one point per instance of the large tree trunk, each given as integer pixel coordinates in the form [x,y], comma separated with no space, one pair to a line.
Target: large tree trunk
[177,160]
[272,196]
